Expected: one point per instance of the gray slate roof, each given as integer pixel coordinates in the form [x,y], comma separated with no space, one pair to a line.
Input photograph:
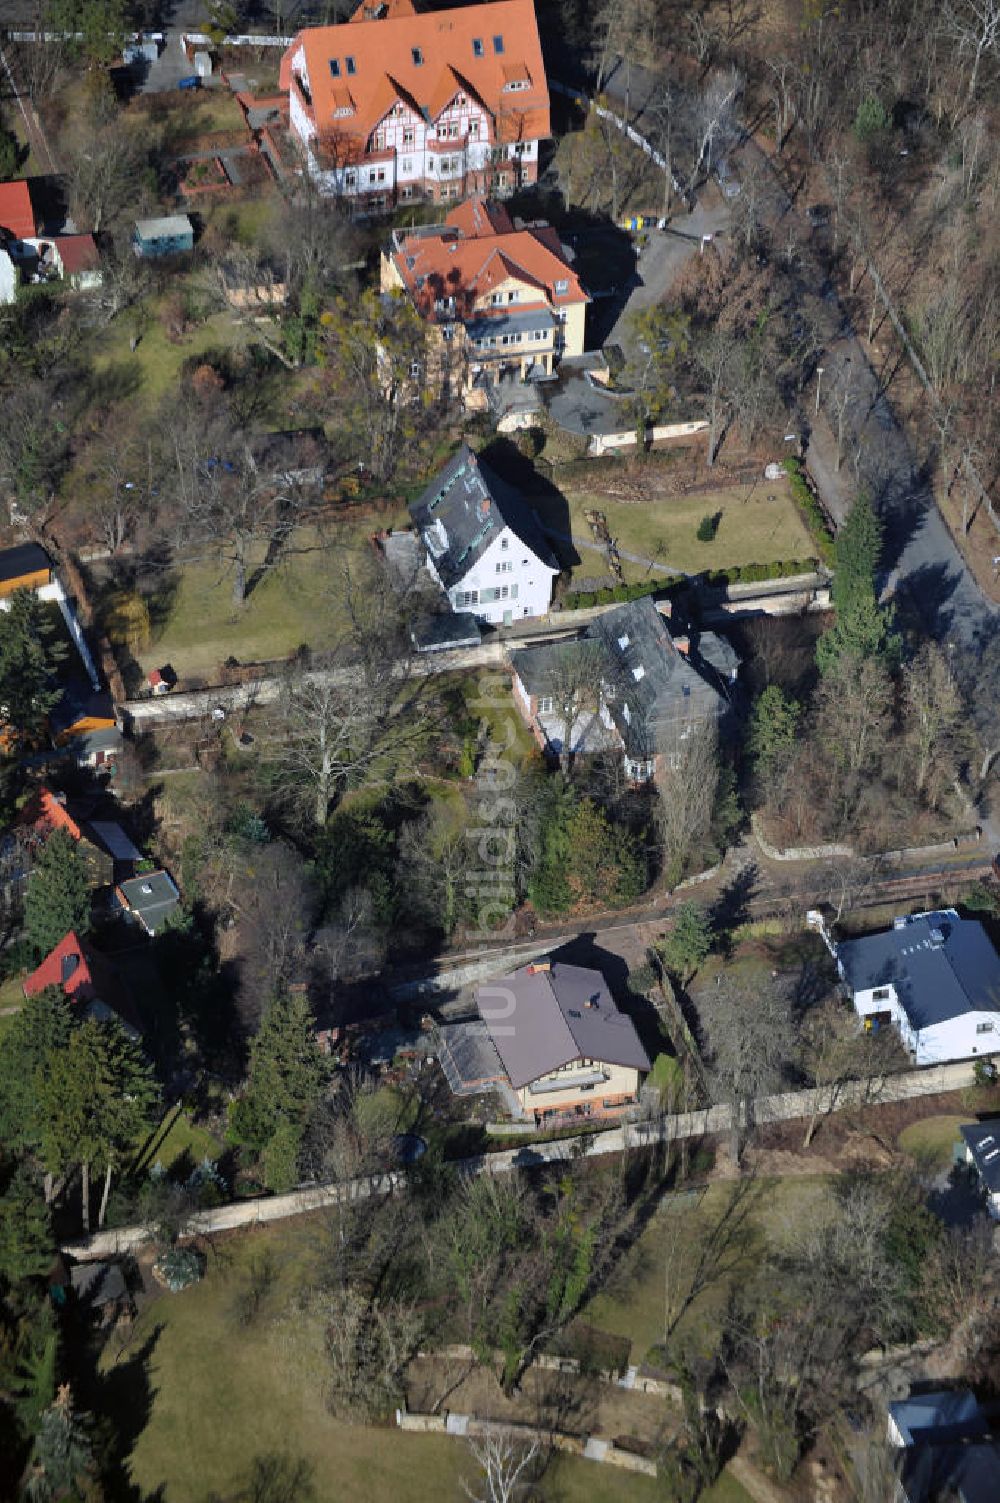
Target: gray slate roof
[463,512]
[643,670]
[941,966]
[968,1473]
[983,1141]
[153,895]
[542,1019]
[922,1414]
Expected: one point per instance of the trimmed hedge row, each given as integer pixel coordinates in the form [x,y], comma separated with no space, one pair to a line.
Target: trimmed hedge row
[578,600]
[757,573]
[809,509]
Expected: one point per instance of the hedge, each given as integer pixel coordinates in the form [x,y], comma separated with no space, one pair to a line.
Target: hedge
[810,510]
[578,600]
[758,573]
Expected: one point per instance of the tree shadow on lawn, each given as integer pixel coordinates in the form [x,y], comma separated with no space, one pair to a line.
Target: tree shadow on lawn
[120,1397]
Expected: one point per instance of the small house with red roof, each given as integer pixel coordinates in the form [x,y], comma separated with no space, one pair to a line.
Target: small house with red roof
[86,978]
[394,106]
[502,298]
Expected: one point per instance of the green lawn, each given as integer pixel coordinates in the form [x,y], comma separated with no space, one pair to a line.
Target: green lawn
[932,1139]
[753,529]
[175,1135]
[726,1490]
[632,1304]
[152,369]
[219,1394]
[12,992]
[201,627]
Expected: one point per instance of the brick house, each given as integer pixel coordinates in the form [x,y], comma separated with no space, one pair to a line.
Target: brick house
[650,691]
[392,106]
[500,301]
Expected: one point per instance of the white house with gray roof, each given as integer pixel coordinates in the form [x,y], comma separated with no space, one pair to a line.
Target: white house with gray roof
[484,545]
[982,1152]
[933,976]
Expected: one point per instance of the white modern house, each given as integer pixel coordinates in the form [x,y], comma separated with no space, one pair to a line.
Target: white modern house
[933,976]
[483,544]
[982,1153]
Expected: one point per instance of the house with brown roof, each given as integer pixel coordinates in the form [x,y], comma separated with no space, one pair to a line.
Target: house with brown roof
[501,300]
[392,106]
[552,1039]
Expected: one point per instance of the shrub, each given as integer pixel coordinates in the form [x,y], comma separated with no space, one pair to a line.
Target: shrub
[871,118]
[809,510]
[708,527]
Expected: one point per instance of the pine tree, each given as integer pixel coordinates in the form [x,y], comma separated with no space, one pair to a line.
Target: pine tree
[58,896]
[285,1078]
[95,1101]
[62,1462]
[863,628]
[38,1032]
[27,1246]
[29,654]
[688,943]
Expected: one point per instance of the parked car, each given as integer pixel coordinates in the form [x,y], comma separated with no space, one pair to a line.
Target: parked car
[191,82]
[728,179]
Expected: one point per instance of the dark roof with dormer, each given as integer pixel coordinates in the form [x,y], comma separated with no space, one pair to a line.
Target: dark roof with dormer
[941,966]
[464,510]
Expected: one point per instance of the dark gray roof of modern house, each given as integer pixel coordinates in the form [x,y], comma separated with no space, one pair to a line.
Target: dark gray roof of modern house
[464,510]
[26,558]
[107,740]
[548,1014]
[650,687]
[983,1141]
[444,630]
[153,896]
[966,1472]
[923,1416]
[940,965]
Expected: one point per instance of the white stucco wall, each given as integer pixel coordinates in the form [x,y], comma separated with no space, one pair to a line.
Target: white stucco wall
[528,582]
[972,1034]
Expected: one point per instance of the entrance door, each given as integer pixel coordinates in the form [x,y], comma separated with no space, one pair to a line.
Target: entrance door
[508,617]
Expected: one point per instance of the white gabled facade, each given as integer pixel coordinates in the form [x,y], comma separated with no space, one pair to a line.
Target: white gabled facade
[506,583]
[956,1038]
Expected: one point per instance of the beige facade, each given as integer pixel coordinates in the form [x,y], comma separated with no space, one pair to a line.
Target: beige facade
[590,1087]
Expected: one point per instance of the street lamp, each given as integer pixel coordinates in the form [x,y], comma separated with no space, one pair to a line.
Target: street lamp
[819,382]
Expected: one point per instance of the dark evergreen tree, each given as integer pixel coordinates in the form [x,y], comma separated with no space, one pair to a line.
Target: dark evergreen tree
[284,1082]
[29,654]
[58,896]
[863,628]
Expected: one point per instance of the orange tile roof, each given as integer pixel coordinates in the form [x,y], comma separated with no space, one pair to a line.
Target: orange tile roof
[469,258]
[16,213]
[383,50]
[44,812]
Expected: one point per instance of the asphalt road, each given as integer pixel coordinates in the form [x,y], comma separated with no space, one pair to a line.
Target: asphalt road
[921,561]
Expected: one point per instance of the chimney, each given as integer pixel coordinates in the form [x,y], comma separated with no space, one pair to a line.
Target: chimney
[683,645]
[539,967]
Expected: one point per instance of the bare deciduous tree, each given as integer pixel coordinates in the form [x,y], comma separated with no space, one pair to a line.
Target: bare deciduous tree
[505,1464]
[686,787]
[749,1029]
